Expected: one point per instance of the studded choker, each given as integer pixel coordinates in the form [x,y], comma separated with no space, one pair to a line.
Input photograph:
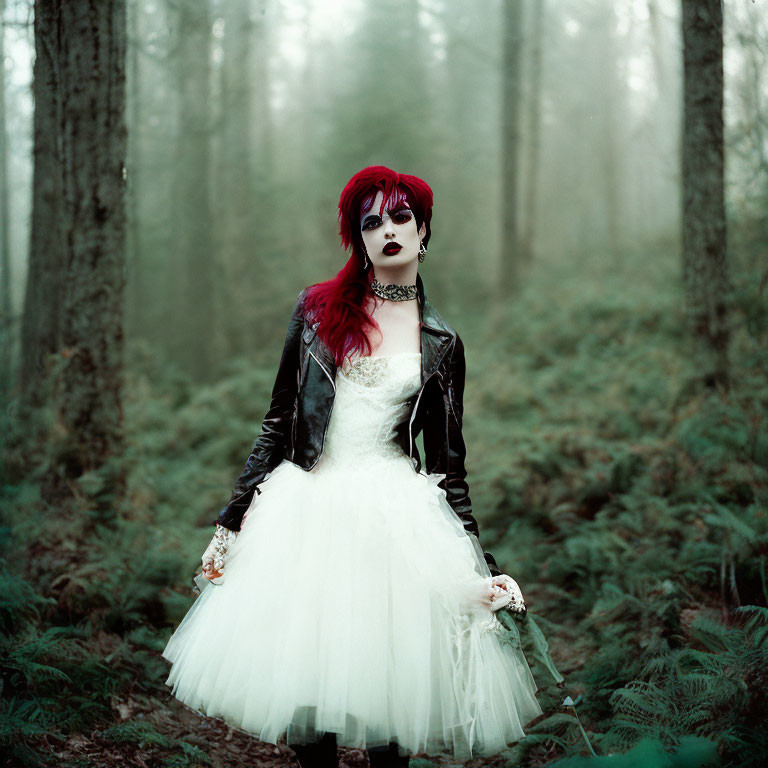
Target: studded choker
[394,292]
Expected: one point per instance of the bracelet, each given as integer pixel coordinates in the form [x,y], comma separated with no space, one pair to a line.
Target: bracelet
[222,541]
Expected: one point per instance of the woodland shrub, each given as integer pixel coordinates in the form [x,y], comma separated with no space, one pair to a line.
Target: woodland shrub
[630,507]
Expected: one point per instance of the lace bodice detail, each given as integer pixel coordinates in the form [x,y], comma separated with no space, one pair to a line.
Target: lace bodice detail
[372,399]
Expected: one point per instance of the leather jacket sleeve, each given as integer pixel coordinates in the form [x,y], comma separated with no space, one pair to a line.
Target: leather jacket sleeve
[444,448]
[269,448]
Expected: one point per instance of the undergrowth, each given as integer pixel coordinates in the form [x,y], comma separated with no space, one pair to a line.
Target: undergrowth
[630,506]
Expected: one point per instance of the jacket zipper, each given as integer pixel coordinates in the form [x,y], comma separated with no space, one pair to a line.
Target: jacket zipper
[299,377]
[415,408]
[418,397]
[330,410]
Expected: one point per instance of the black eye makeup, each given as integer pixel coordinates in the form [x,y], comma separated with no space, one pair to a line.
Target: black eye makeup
[400,216]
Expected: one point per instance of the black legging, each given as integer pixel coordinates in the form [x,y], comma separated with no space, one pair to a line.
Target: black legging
[322,754]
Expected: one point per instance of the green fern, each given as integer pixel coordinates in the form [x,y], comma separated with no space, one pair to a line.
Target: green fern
[19,601]
[21,719]
[717,691]
[191,757]
[691,752]
[138,732]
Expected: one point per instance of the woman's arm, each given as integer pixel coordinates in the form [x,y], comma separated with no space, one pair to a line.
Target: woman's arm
[269,448]
[444,448]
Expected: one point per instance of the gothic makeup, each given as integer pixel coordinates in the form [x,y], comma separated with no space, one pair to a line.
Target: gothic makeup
[401,215]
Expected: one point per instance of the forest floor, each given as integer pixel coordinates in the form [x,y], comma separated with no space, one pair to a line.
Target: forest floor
[631,506]
[223,745]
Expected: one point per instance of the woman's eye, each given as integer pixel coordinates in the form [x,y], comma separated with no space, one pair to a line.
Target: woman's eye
[371,223]
[400,217]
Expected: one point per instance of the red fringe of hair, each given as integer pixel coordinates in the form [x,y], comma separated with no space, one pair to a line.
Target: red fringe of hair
[337,304]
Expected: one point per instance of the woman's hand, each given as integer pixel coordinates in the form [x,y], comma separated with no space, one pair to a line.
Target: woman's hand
[215,555]
[210,572]
[505,592]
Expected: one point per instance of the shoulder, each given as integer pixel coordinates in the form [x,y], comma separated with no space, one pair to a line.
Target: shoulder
[299,315]
[300,309]
[435,320]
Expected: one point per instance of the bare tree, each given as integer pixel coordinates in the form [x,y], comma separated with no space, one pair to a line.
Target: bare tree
[537,8]
[5,243]
[510,140]
[80,164]
[190,309]
[609,124]
[705,265]
[657,46]
[237,235]
[41,316]
[135,266]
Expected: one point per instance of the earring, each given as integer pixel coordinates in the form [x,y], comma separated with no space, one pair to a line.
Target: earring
[365,259]
[422,251]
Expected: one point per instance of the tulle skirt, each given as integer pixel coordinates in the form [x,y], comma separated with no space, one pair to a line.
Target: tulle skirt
[350,604]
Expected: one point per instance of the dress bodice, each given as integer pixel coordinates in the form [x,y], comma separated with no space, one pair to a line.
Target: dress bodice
[371,400]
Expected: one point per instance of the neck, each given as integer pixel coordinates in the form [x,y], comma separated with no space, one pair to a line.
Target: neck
[404,275]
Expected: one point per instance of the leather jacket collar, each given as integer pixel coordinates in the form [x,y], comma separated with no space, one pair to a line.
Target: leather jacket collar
[436,339]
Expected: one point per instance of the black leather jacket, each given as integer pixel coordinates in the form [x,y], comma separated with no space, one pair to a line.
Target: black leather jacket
[302,398]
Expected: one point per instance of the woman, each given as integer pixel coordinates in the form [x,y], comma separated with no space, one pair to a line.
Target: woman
[358,607]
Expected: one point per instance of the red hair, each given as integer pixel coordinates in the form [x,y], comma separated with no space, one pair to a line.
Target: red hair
[337,304]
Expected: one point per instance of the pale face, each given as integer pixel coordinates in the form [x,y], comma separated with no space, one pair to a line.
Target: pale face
[382,234]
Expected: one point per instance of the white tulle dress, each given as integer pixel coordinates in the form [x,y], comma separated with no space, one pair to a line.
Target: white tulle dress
[349,601]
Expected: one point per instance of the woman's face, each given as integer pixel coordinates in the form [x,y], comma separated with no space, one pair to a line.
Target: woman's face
[392,239]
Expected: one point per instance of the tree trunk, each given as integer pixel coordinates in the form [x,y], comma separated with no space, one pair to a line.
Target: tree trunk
[609,127]
[657,47]
[705,266]
[534,130]
[5,241]
[41,316]
[510,139]
[190,293]
[461,119]
[85,44]
[137,290]
[238,243]
[662,173]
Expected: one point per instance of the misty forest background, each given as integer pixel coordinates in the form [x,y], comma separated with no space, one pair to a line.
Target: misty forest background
[169,175]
